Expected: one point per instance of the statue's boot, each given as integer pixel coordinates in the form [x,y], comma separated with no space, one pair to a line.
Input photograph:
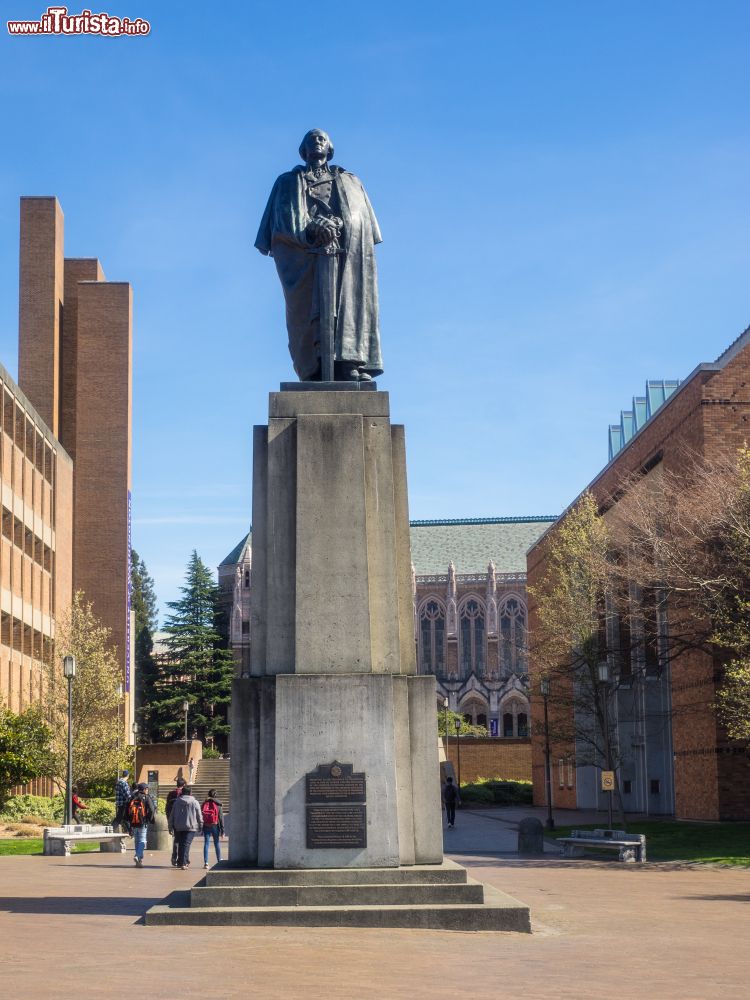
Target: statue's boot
[346,371]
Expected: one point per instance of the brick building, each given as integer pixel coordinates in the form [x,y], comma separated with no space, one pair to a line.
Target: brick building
[36,481]
[676,758]
[66,452]
[469,586]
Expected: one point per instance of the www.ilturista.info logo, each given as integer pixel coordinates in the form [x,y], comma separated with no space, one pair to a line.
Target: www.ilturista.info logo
[57,21]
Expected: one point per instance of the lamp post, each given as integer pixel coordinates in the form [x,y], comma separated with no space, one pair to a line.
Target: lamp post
[544,685]
[458,752]
[69,671]
[445,709]
[603,669]
[120,691]
[185,709]
[136,728]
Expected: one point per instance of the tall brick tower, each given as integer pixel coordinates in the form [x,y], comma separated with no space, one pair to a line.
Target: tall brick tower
[75,365]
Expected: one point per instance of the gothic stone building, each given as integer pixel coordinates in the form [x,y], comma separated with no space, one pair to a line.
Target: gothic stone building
[469,582]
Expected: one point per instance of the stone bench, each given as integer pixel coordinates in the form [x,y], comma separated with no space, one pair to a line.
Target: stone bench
[631,847]
[59,839]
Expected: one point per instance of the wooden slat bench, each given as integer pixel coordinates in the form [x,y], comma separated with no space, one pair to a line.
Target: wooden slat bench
[631,847]
[59,839]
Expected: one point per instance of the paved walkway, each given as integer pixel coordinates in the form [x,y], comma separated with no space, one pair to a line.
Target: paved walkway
[69,928]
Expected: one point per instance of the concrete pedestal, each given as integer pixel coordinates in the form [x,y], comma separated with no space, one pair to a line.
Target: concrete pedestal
[332,695]
[333,670]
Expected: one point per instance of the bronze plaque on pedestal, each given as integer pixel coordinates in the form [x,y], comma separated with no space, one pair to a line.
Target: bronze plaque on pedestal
[334,805]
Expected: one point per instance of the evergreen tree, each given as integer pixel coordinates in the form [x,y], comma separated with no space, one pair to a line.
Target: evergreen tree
[143,604]
[199,667]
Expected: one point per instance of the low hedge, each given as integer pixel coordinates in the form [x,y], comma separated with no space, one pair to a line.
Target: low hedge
[45,811]
[496,791]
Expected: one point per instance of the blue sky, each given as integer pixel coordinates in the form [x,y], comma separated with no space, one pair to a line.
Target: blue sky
[564,194]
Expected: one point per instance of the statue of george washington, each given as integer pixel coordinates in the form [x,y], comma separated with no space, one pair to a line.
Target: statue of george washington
[321,231]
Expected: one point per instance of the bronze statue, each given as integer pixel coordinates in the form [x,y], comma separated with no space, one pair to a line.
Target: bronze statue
[321,231]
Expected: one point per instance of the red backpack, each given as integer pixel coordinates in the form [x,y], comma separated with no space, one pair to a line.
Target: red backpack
[136,812]
[210,813]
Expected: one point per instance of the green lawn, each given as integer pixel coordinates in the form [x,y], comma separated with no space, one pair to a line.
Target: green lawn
[34,845]
[721,843]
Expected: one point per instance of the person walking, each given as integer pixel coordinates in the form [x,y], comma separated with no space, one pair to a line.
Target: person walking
[140,812]
[451,798]
[122,797]
[185,821]
[213,825]
[77,805]
[174,794]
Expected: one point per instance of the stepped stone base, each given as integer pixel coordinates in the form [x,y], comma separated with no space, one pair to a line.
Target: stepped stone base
[438,897]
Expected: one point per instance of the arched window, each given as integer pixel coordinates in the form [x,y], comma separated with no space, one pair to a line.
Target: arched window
[474,710]
[513,636]
[432,638]
[472,638]
[515,718]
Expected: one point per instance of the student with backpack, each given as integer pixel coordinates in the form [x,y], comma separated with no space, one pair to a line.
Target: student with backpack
[213,825]
[185,821]
[451,798]
[138,814]
[174,794]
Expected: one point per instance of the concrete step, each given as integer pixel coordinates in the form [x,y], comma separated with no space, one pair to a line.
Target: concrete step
[498,912]
[336,895]
[225,875]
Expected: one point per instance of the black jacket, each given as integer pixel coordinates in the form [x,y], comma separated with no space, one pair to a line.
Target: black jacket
[148,807]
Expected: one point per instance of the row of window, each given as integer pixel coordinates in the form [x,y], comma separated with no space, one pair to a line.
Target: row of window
[472,636]
[24,538]
[22,431]
[25,639]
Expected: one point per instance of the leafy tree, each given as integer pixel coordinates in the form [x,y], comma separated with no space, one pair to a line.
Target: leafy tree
[577,608]
[25,749]
[99,750]
[689,536]
[467,729]
[144,606]
[198,667]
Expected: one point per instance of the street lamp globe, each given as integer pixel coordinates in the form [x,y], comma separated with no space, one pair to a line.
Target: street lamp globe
[458,724]
[544,686]
[136,728]
[69,667]
[185,706]
[603,672]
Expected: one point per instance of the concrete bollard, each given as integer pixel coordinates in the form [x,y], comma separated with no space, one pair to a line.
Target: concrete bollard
[158,838]
[530,836]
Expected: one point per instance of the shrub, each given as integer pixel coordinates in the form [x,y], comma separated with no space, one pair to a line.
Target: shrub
[48,811]
[20,806]
[476,793]
[497,792]
[209,753]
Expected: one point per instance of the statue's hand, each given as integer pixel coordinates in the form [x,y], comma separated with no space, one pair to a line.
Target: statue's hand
[323,230]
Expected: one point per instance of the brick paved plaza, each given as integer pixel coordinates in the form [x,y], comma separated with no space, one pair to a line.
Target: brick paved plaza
[69,926]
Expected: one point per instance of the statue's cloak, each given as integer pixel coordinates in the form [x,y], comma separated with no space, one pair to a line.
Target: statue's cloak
[282,236]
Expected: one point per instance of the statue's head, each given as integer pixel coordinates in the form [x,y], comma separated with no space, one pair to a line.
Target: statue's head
[316,143]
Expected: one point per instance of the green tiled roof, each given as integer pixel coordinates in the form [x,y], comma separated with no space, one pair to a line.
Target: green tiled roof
[233,558]
[470,544]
